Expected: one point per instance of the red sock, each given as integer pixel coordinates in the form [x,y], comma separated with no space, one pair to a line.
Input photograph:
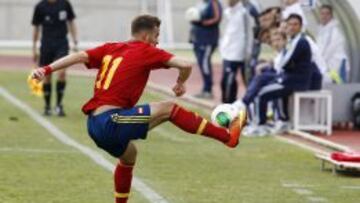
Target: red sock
[194,124]
[122,179]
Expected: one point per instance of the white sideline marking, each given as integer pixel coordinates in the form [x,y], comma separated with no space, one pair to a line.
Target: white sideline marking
[295,185]
[45,151]
[304,146]
[350,187]
[302,191]
[138,184]
[317,199]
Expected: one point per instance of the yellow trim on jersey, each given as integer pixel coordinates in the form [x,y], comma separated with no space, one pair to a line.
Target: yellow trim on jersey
[201,127]
[121,195]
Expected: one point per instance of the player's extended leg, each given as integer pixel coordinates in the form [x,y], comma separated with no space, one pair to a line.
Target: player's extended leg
[123,173]
[195,124]
[60,88]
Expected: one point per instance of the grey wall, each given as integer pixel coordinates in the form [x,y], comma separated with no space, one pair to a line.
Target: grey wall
[97,20]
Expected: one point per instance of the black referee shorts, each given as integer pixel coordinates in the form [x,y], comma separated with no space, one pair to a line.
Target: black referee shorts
[52,50]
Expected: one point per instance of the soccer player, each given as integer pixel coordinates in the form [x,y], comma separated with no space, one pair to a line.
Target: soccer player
[53,18]
[113,119]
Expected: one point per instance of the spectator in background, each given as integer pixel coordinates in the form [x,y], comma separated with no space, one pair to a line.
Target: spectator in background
[267,53]
[332,47]
[53,18]
[254,10]
[235,47]
[204,36]
[296,75]
[267,19]
[268,72]
[293,7]
[263,52]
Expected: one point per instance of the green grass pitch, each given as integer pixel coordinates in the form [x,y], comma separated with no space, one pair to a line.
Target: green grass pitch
[183,168]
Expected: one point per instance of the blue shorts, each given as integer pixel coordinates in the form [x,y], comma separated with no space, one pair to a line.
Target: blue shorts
[114,129]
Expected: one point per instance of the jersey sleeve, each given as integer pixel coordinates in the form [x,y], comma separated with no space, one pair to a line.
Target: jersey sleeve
[70,11]
[36,19]
[95,56]
[157,58]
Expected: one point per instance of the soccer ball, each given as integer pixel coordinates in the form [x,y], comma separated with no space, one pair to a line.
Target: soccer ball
[192,14]
[223,115]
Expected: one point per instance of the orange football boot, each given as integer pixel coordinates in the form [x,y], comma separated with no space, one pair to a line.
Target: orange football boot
[235,129]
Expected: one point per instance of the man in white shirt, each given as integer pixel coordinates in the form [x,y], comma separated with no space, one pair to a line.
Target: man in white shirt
[235,47]
[332,47]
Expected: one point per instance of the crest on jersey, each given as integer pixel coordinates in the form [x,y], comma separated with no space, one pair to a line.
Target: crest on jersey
[62,15]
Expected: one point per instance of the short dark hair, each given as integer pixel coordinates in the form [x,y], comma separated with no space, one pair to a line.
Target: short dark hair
[265,12]
[144,23]
[327,6]
[297,17]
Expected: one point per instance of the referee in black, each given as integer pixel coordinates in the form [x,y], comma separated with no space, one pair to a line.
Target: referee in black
[53,18]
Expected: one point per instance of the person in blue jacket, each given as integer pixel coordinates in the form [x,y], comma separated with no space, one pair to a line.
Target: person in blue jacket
[298,70]
[204,36]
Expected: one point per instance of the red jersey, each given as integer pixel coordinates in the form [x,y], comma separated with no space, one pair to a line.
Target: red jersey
[124,69]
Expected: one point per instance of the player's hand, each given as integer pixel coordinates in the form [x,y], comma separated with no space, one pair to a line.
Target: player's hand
[38,74]
[179,89]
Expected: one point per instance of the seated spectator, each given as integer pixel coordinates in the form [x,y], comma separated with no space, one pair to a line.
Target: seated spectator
[293,7]
[268,18]
[319,64]
[332,47]
[268,71]
[296,74]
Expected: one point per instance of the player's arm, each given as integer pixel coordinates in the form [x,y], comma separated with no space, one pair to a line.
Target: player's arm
[35,39]
[62,63]
[184,68]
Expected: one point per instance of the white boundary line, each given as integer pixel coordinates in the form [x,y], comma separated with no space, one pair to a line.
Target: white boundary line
[298,144]
[138,184]
[320,141]
[29,150]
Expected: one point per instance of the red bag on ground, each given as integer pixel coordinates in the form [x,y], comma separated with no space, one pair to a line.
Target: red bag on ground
[346,156]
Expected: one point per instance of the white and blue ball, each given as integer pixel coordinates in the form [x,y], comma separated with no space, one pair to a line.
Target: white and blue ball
[223,115]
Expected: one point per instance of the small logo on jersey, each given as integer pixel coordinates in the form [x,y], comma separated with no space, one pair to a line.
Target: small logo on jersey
[140,110]
[47,18]
[62,15]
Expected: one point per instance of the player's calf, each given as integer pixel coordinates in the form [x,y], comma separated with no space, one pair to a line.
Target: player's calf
[193,123]
[123,174]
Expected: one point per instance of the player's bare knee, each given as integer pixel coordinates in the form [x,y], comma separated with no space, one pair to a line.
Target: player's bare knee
[130,154]
[167,108]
